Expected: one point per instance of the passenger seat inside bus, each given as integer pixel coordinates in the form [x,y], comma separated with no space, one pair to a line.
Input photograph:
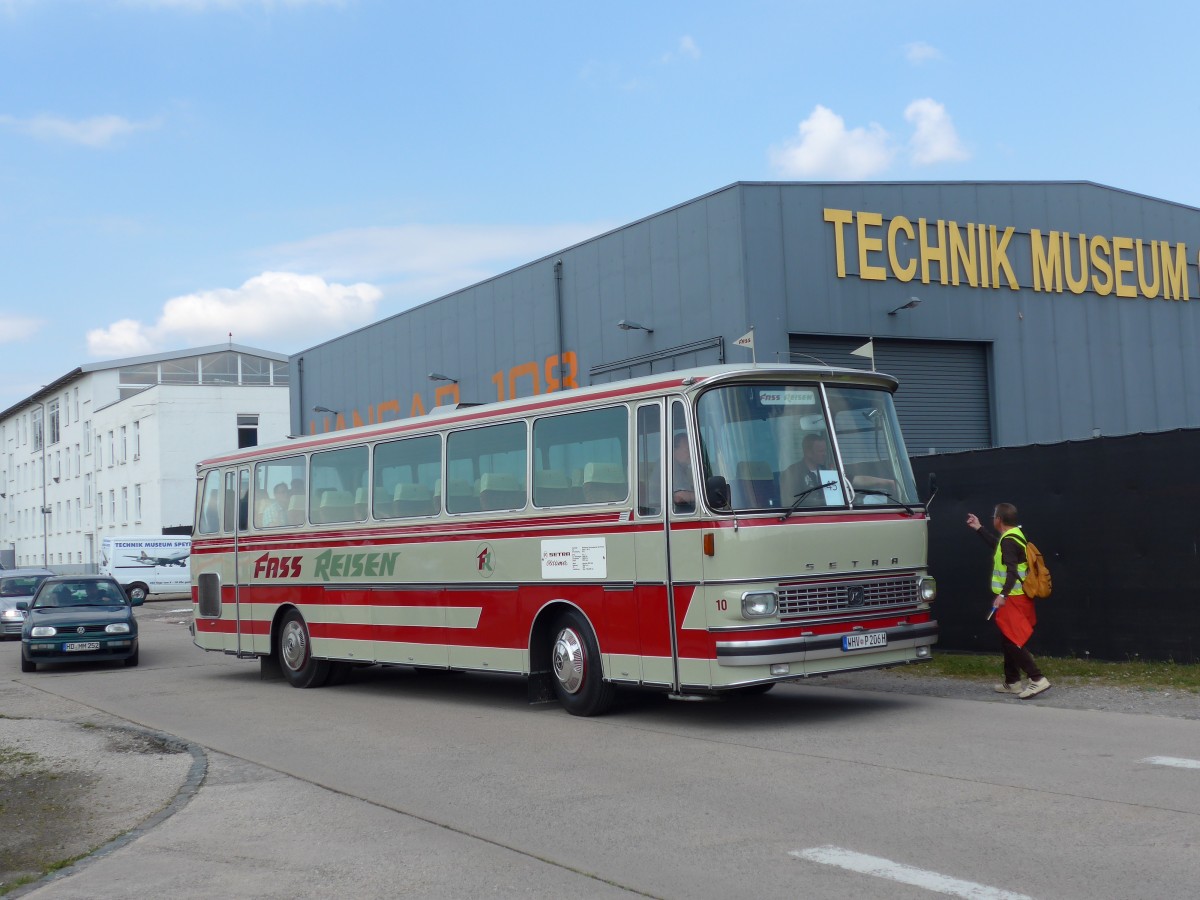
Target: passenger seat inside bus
[754,485]
[336,506]
[500,490]
[604,483]
[360,503]
[412,500]
[552,487]
[295,513]
[459,496]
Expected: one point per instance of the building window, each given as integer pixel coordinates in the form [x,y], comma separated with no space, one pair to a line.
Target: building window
[78,466]
[137,439]
[112,448]
[112,507]
[76,411]
[37,430]
[87,488]
[124,445]
[99,508]
[124,504]
[52,414]
[137,502]
[87,438]
[247,428]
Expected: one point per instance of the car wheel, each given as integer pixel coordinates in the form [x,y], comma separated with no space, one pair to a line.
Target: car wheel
[138,592]
[132,660]
[575,663]
[295,654]
[27,666]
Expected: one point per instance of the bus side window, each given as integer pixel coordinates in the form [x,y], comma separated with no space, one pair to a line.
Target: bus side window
[594,444]
[649,460]
[493,458]
[210,500]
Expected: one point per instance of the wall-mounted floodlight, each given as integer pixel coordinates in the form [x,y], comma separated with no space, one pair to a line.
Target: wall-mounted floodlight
[438,376]
[912,303]
[325,409]
[626,325]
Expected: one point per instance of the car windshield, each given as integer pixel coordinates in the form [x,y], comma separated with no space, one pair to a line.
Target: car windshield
[21,585]
[79,593]
[785,446]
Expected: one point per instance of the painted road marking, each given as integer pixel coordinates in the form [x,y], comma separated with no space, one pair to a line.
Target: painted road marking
[894,871]
[1175,761]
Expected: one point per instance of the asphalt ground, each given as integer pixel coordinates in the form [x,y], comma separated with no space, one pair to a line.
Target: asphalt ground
[101,785]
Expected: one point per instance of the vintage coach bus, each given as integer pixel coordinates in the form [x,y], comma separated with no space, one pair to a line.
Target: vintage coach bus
[703,531]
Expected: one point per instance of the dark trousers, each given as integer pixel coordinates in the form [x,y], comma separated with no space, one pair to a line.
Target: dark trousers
[1017,660]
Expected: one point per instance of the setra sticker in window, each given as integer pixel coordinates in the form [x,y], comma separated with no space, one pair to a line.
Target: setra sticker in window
[787,398]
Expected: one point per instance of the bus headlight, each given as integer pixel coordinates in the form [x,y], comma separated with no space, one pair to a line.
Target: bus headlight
[757,604]
[927,588]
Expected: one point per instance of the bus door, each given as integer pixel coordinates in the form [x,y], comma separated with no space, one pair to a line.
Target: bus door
[652,570]
[684,542]
[237,491]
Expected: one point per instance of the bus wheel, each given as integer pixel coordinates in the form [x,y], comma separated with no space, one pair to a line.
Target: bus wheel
[295,656]
[575,661]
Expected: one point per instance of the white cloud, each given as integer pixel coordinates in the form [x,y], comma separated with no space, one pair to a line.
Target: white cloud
[272,309]
[919,52]
[97,131]
[17,328]
[824,148]
[934,140]
[686,49]
[414,252]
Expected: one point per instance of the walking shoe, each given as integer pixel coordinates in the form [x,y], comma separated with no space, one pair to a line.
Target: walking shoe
[1016,687]
[1035,688]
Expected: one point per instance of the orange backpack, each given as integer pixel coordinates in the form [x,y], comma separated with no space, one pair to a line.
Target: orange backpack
[1036,584]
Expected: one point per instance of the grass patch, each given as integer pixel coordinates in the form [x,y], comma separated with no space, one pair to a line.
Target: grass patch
[1135,673]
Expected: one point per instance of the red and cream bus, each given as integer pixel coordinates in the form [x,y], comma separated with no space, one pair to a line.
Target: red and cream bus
[703,531]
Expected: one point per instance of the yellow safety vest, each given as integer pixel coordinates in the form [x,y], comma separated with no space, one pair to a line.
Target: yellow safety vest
[1000,571]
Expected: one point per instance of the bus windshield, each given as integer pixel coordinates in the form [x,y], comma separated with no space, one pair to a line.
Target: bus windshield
[802,446]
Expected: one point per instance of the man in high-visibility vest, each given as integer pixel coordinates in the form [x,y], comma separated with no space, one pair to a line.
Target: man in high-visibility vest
[1014,613]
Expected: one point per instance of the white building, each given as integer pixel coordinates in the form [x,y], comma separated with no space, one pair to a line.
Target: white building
[121,443]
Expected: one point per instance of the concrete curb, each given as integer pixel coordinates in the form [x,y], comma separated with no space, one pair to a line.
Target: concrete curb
[187,790]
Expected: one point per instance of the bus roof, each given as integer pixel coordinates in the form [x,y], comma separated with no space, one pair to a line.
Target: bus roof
[680,382]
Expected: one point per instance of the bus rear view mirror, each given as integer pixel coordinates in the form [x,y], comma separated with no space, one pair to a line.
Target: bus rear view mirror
[717,489]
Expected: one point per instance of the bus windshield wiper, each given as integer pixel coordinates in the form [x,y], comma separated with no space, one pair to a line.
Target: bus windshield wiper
[800,498]
[908,509]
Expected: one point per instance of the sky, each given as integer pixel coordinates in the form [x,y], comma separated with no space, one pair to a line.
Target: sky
[179,173]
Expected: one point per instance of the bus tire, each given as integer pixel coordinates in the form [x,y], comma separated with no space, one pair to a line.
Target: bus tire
[294,650]
[137,592]
[575,667]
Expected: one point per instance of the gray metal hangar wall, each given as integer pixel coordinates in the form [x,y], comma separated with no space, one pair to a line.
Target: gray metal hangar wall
[1048,311]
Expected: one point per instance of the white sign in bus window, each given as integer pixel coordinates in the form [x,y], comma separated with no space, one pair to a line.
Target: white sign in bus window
[578,558]
[787,398]
[833,492]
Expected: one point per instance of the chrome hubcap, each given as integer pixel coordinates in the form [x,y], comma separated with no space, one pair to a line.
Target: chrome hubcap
[293,647]
[570,664]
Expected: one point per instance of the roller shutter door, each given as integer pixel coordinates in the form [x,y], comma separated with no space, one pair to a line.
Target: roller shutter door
[943,402]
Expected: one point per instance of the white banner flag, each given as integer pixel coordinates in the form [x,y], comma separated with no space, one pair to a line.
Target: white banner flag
[746,340]
[867,350]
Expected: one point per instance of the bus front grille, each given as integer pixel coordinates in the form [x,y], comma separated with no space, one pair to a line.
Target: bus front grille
[797,600]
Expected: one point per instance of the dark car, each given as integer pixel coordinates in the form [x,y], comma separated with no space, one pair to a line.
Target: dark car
[79,618]
[16,586]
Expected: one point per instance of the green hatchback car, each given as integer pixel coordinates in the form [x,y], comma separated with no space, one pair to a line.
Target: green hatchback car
[79,618]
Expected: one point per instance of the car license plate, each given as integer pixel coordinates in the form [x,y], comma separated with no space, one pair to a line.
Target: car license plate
[862,641]
[81,645]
